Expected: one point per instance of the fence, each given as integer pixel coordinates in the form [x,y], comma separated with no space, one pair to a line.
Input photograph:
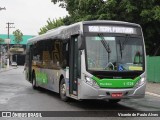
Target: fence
[153,68]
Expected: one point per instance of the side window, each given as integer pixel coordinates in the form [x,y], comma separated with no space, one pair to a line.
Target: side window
[65,55]
[50,54]
[34,50]
[46,56]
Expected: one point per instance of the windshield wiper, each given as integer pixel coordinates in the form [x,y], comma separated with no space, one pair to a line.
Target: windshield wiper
[104,42]
[106,45]
[122,44]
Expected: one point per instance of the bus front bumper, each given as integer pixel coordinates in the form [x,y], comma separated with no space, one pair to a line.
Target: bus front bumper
[86,91]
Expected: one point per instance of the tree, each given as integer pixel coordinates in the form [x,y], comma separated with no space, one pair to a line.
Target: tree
[18,36]
[51,24]
[144,12]
[1,40]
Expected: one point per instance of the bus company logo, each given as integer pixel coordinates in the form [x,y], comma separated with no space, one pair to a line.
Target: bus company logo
[107,84]
[6,114]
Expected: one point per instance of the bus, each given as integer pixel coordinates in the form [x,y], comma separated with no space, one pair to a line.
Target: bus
[99,59]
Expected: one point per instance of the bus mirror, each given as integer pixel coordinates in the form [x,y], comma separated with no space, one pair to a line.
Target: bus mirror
[80,42]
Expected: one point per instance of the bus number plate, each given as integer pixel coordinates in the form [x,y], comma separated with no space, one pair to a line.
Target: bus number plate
[116,95]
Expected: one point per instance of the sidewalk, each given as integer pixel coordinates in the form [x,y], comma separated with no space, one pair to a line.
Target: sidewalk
[6,69]
[153,88]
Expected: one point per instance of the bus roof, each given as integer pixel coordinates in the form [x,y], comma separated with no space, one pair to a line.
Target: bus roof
[65,31]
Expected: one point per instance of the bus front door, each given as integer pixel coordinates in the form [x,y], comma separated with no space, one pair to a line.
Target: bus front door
[73,65]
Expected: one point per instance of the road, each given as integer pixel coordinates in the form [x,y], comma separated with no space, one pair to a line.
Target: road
[16,94]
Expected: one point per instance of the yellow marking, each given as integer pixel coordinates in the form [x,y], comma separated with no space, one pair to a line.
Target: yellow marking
[135,68]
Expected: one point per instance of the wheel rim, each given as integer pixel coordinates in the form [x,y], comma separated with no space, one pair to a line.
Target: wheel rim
[63,89]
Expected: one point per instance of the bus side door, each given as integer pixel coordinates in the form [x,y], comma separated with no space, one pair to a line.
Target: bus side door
[73,65]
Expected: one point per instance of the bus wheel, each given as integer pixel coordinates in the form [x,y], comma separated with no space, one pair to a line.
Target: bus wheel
[34,83]
[63,90]
[114,100]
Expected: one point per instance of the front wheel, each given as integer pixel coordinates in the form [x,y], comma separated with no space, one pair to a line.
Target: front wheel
[63,90]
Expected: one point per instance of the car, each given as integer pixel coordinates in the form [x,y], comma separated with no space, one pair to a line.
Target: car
[14,64]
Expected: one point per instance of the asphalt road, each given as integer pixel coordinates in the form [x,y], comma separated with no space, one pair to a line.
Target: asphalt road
[16,94]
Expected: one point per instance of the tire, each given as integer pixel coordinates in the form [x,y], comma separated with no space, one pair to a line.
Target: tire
[113,101]
[62,90]
[34,83]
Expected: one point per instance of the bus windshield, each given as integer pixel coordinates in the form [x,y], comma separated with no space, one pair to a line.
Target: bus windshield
[114,53]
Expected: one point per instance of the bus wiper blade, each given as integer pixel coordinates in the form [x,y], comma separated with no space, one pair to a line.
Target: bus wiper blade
[122,44]
[105,44]
[125,41]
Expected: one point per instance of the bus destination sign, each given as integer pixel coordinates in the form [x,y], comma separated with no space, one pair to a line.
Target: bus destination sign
[112,29]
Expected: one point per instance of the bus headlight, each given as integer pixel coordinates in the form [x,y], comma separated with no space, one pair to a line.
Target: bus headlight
[91,82]
[141,82]
[88,80]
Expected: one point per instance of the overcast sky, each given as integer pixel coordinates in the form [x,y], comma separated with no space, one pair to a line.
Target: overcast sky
[28,15]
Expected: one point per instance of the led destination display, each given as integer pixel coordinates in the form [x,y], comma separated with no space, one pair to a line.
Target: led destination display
[112,29]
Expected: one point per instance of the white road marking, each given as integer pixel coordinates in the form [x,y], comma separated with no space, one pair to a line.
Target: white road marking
[153,94]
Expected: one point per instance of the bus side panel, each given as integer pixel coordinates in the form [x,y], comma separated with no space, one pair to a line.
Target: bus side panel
[48,78]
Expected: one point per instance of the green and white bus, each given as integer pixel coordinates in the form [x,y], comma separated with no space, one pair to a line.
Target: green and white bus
[89,60]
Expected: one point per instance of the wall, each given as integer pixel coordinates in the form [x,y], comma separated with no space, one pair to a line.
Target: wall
[153,68]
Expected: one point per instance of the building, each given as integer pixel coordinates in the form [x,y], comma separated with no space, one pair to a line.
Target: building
[15,52]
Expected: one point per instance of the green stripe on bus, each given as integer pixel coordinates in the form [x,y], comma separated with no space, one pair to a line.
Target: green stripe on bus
[41,77]
[116,83]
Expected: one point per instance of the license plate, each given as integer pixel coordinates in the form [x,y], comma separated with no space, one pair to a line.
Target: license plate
[116,95]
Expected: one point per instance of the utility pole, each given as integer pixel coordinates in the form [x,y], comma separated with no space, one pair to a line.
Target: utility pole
[9,25]
[1,45]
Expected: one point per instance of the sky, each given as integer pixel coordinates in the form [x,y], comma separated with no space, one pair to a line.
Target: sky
[28,15]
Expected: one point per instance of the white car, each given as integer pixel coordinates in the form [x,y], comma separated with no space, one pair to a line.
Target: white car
[14,64]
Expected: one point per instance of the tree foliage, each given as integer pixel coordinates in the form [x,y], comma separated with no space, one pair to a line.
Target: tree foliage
[1,40]
[18,36]
[143,12]
[51,24]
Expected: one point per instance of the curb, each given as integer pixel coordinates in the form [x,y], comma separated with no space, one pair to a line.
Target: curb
[5,70]
[152,94]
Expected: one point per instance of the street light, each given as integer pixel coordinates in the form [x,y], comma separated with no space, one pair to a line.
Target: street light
[2,8]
